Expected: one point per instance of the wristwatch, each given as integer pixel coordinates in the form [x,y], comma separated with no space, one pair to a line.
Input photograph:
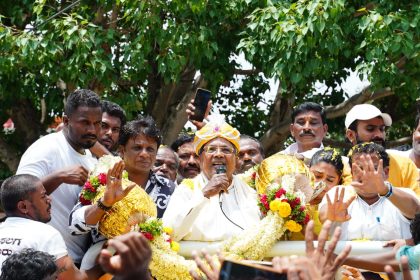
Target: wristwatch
[389,193]
[102,206]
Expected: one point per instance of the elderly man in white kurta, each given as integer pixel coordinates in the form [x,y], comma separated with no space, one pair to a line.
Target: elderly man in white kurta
[216,204]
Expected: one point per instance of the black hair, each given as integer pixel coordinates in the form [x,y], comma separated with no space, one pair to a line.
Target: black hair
[309,106]
[417,121]
[16,188]
[260,147]
[172,151]
[114,110]
[141,125]
[330,156]
[81,97]
[181,140]
[415,228]
[28,264]
[369,148]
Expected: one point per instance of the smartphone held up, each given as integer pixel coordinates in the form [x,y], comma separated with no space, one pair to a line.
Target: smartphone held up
[201,100]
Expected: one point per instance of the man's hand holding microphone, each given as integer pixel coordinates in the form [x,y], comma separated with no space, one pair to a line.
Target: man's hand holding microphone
[218,183]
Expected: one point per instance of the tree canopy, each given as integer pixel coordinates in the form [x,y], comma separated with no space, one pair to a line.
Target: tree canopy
[150,56]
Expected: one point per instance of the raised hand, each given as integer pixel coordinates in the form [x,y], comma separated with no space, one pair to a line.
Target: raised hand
[208,266]
[351,273]
[190,112]
[325,260]
[404,267]
[367,177]
[337,209]
[132,260]
[114,191]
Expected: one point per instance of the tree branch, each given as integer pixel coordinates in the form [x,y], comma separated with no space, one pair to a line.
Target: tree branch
[399,142]
[246,72]
[365,95]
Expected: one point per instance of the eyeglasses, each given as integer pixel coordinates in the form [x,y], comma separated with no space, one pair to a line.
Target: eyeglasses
[211,150]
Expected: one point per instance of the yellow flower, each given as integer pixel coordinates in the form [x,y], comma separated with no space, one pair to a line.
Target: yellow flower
[284,209]
[275,205]
[175,246]
[293,226]
[168,230]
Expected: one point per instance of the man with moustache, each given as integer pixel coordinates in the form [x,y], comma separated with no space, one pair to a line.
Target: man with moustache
[250,154]
[366,123]
[28,208]
[62,161]
[308,128]
[216,204]
[189,164]
[113,118]
[166,164]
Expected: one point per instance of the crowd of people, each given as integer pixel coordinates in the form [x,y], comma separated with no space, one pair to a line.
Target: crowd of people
[198,187]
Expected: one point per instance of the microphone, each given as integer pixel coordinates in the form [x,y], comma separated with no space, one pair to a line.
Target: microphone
[220,169]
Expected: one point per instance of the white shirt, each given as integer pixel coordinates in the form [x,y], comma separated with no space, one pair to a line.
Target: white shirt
[195,217]
[17,234]
[293,149]
[379,221]
[47,155]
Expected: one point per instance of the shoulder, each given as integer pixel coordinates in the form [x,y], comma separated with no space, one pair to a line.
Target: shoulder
[187,183]
[163,182]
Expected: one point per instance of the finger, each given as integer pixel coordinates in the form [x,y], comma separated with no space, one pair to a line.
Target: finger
[202,266]
[309,237]
[336,194]
[195,275]
[276,263]
[211,262]
[370,164]
[105,261]
[380,167]
[292,273]
[323,236]
[328,201]
[342,193]
[357,171]
[405,268]
[208,108]
[390,273]
[122,250]
[120,169]
[341,258]
[333,243]
[348,202]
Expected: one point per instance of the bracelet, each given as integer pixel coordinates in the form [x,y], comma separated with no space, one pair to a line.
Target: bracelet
[102,206]
[389,193]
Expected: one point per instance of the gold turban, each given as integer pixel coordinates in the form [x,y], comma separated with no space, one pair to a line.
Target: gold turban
[279,165]
[213,130]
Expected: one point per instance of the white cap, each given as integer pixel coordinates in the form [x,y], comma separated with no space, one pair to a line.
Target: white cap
[366,112]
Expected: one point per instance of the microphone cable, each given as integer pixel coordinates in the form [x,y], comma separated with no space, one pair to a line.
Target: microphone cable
[221,208]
